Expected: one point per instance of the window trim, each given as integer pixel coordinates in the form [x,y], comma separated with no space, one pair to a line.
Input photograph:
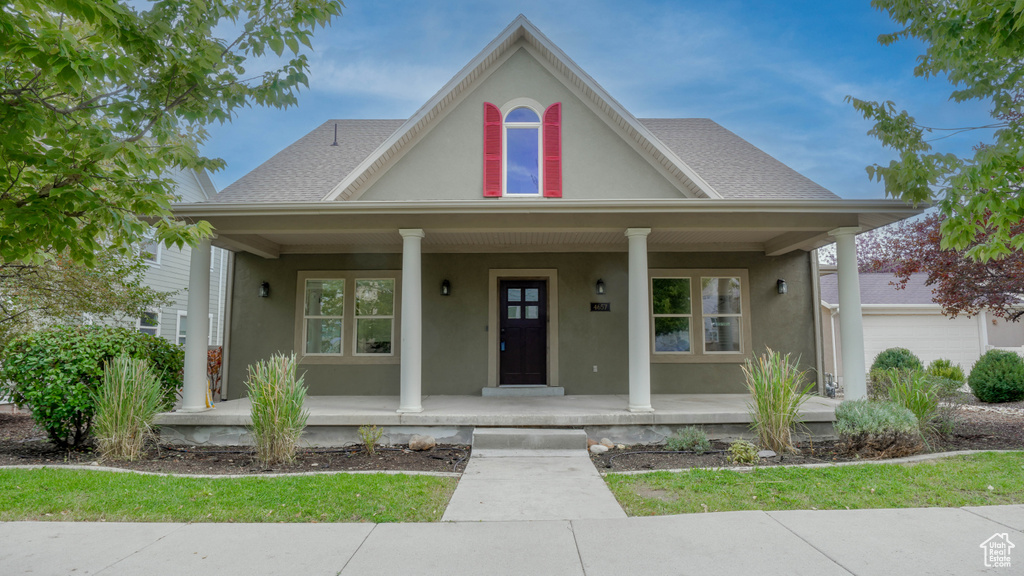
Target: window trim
[537,109]
[539,127]
[177,329]
[356,317]
[347,355]
[697,353]
[159,322]
[151,239]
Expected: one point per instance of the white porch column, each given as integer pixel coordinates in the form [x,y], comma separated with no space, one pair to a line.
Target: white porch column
[851,324]
[639,323]
[197,326]
[412,322]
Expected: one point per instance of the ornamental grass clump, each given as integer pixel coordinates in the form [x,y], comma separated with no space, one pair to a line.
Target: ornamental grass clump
[778,389]
[876,429]
[277,415]
[915,391]
[126,403]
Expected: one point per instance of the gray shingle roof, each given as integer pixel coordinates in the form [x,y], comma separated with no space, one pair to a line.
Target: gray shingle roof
[310,168]
[875,288]
[734,167]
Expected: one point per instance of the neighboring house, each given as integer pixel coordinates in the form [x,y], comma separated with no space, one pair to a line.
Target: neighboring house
[909,318]
[169,272]
[523,233]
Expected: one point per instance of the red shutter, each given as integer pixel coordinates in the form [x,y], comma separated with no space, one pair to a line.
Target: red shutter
[553,151]
[492,150]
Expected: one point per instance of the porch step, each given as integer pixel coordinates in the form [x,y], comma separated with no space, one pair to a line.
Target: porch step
[528,439]
[522,391]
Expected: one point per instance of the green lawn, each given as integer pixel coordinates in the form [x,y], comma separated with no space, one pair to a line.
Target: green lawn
[68,495]
[959,481]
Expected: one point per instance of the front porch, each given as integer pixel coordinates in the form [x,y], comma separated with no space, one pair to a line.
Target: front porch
[334,420]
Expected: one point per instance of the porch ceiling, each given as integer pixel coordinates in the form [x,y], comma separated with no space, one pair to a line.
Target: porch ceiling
[269,230]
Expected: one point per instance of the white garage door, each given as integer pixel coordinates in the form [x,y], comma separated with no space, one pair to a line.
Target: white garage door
[928,336]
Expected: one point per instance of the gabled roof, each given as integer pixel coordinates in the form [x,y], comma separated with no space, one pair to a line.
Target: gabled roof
[878,288]
[311,167]
[589,91]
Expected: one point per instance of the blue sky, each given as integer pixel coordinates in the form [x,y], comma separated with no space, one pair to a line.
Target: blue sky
[774,73]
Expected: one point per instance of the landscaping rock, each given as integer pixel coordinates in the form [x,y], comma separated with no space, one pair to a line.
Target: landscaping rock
[607,443]
[620,447]
[591,442]
[766,454]
[598,449]
[417,442]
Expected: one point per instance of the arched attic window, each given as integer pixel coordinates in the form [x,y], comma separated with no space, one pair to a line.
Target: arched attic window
[522,152]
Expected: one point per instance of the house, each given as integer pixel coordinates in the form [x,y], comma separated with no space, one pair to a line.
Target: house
[523,234]
[168,271]
[909,318]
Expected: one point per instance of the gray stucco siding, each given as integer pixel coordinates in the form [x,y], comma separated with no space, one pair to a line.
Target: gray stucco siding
[455,327]
[447,163]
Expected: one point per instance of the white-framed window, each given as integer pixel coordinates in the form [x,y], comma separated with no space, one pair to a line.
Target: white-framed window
[150,249]
[522,145]
[181,327]
[374,316]
[324,316]
[149,323]
[700,315]
[347,316]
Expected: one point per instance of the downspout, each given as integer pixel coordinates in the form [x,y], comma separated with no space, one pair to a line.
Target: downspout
[819,353]
[229,292]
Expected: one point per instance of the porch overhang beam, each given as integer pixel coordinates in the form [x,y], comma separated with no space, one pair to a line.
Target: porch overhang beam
[790,241]
[251,243]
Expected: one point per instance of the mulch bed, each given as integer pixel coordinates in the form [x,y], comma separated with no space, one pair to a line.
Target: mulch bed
[21,442]
[975,430]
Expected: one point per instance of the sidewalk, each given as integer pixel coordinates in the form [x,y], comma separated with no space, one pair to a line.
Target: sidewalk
[862,542]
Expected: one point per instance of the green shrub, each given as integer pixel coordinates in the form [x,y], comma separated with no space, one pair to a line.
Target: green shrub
[777,390]
[742,452]
[943,368]
[998,376]
[690,438]
[55,372]
[877,429]
[948,378]
[898,358]
[125,406]
[855,417]
[278,419]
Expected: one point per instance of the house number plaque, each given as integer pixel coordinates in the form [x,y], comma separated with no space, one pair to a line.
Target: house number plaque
[600,307]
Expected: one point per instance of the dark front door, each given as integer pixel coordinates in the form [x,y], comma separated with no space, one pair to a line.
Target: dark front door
[523,340]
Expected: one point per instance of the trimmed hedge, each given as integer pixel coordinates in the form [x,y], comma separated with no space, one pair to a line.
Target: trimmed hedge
[55,372]
[998,376]
[898,358]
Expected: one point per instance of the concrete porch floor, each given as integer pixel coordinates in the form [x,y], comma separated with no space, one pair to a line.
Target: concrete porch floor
[333,420]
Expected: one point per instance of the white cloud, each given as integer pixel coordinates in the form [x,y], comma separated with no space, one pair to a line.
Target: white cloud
[392,80]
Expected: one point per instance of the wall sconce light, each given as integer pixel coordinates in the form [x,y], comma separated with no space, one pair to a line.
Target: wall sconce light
[781,284]
[446,287]
[599,287]
[264,289]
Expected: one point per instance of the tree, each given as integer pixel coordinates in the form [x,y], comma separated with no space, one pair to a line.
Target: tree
[961,284]
[62,290]
[98,100]
[979,46]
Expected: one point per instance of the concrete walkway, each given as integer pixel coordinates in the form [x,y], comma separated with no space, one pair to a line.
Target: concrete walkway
[861,542]
[531,485]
